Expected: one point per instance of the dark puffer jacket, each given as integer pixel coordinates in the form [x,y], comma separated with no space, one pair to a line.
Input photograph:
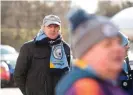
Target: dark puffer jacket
[32,73]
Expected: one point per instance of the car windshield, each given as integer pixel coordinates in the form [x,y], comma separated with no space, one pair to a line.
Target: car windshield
[7,50]
[12,63]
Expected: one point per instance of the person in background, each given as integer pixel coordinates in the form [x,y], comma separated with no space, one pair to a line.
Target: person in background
[44,60]
[97,46]
[125,78]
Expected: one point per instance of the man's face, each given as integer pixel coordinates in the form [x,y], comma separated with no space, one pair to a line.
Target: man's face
[52,31]
[108,56]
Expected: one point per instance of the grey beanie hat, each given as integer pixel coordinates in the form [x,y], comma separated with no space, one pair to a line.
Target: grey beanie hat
[87,30]
[51,19]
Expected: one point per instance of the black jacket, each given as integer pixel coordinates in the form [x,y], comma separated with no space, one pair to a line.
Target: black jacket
[32,73]
[126,78]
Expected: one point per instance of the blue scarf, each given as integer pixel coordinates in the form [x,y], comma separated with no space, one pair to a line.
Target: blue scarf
[58,57]
[125,68]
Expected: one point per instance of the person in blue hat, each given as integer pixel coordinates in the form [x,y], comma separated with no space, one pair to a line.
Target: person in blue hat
[96,45]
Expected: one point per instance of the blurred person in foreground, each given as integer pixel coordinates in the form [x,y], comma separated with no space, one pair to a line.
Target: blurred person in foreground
[125,78]
[43,60]
[97,46]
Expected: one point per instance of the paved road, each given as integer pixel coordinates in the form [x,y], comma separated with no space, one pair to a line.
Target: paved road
[10,91]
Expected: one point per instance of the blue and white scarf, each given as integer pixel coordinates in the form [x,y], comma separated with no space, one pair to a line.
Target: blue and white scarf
[58,57]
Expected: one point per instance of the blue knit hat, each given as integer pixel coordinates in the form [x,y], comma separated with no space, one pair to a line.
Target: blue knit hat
[88,29]
[78,16]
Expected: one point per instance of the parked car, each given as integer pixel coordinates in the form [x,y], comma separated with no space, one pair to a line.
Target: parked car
[5,74]
[9,56]
[124,21]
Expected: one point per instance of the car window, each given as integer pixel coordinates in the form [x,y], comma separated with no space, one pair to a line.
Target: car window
[7,50]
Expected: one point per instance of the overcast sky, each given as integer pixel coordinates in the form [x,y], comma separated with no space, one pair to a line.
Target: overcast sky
[88,5]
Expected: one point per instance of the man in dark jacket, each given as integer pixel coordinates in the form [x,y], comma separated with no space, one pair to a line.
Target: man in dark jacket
[43,61]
